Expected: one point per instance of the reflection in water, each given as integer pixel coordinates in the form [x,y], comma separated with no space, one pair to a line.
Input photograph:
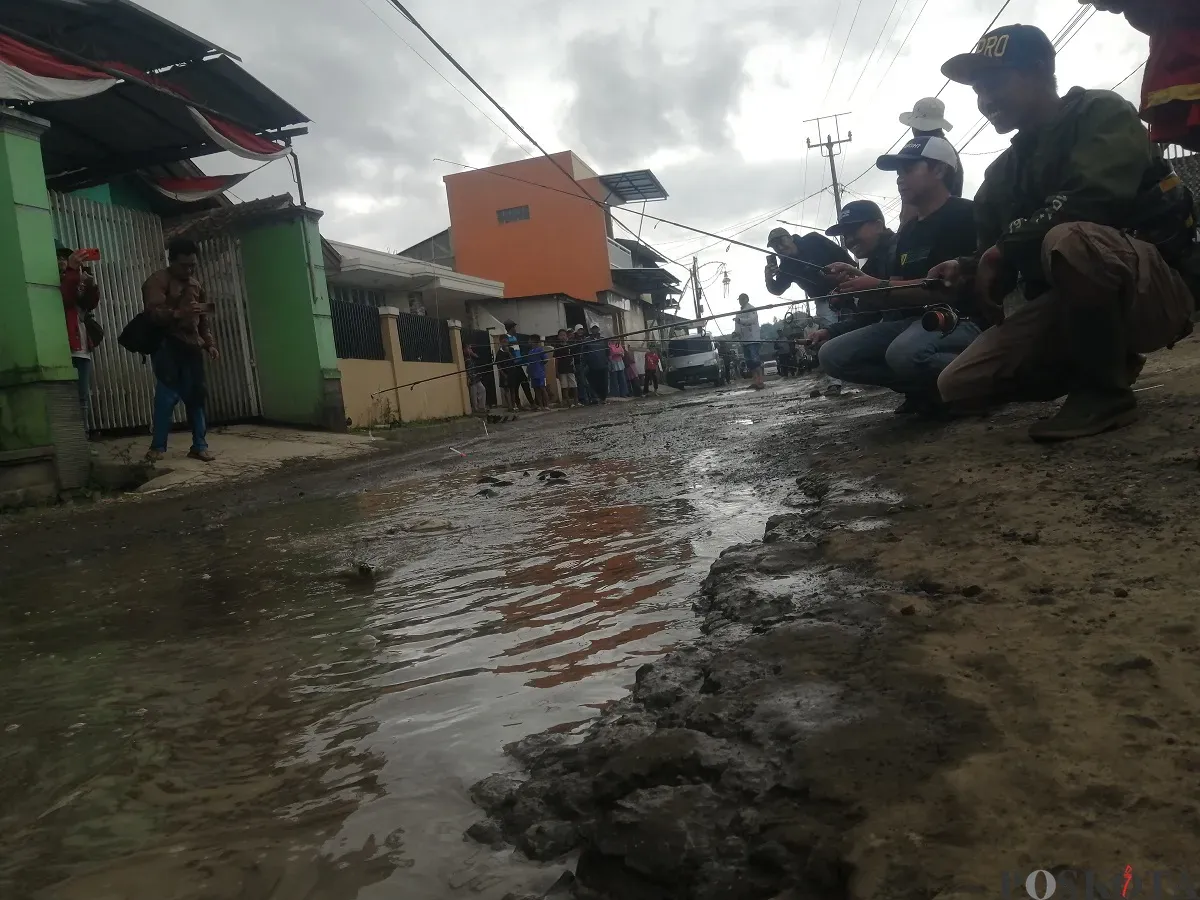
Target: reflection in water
[223,717]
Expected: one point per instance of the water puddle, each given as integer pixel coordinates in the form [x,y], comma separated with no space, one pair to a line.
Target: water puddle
[293,703]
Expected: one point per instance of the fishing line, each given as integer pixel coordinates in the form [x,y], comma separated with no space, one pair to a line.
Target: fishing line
[927,283]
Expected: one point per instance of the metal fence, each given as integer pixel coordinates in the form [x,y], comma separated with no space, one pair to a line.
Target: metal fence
[356,333]
[131,249]
[424,339]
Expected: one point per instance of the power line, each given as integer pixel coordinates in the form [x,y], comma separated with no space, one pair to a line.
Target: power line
[842,55]
[440,74]
[903,43]
[871,55]
[832,28]
[520,128]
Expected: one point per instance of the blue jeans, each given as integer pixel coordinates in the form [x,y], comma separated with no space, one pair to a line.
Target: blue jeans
[752,353]
[83,368]
[618,384]
[897,354]
[179,371]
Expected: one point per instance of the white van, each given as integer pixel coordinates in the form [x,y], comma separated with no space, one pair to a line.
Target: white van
[693,359]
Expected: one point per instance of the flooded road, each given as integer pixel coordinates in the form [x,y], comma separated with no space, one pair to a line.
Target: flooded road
[292,701]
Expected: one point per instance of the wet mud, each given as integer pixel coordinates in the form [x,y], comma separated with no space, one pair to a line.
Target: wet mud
[740,765]
[744,646]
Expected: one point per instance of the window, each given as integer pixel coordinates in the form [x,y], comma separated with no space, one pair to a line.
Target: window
[513,214]
[360,296]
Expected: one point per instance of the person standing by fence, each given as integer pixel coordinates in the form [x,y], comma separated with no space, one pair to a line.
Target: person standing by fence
[80,297]
[564,363]
[175,301]
[597,362]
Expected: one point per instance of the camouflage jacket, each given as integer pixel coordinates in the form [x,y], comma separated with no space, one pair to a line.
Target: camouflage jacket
[1094,163]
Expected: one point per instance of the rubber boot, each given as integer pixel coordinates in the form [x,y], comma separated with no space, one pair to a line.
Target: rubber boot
[1100,398]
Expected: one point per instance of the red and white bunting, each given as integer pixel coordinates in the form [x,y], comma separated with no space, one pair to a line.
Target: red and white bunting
[192,190]
[30,75]
[236,140]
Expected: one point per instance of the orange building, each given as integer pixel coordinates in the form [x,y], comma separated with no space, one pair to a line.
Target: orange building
[531,225]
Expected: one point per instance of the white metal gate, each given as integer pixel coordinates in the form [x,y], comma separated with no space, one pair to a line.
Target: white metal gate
[132,248]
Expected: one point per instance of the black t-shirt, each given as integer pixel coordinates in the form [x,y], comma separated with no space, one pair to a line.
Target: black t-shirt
[564,359]
[944,235]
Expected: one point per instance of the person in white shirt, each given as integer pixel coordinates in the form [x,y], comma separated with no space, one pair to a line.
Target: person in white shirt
[750,334]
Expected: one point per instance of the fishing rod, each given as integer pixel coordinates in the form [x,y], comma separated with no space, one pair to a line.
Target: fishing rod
[927,283]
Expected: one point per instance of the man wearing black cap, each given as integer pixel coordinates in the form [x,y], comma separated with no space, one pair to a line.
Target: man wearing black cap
[896,351]
[1085,214]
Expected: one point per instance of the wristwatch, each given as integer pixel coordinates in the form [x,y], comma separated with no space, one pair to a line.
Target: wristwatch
[885,282]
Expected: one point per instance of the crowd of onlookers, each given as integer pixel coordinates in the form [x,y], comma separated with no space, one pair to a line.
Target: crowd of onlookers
[589,368]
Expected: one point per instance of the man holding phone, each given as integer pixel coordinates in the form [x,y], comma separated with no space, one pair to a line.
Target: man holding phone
[175,300]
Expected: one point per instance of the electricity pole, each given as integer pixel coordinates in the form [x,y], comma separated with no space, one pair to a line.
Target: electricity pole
[829,149]
[696,287]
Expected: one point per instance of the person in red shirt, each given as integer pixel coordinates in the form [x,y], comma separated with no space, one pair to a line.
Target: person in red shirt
[80,296]
[653,364]
[1171,85]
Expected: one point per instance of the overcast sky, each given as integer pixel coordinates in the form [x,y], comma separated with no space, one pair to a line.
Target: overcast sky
[709,94]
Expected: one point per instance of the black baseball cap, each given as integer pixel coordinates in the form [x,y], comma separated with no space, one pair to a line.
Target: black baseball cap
[777,234]
[855,213]
[1010,47]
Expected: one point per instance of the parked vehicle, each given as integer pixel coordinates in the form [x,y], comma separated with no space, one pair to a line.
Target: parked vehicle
[693,359]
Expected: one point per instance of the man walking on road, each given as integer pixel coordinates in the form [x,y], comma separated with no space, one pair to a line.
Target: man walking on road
[174,300]
[750,334]
[1084,212]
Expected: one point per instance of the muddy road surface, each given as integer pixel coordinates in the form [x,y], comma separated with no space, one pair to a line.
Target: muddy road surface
[283,689]
[720,646]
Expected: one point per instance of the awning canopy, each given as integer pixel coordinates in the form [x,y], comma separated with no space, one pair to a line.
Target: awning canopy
[131,126]
[367,268]
[107,29]
[634,186]
[637,248]
[648,280]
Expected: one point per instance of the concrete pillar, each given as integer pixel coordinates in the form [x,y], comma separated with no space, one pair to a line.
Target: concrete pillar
[460,363]
[43,448]
[391,350]
[288,301]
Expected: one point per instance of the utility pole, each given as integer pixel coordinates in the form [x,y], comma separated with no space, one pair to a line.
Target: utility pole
[829,149]
[696,287]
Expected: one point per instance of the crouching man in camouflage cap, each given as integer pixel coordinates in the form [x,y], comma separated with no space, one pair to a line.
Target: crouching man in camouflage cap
[1085,214]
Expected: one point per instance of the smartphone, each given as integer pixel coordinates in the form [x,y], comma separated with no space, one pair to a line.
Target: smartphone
[88,254]
[772,260]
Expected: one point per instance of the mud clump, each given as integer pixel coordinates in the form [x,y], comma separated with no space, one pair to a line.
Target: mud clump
[739,767]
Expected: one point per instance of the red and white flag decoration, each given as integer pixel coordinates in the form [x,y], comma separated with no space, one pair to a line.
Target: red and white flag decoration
[32,75]
[236,140]
[192,190]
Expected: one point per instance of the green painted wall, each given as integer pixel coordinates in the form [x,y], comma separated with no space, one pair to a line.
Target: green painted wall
[33,337]
[101,193]
[289,319]
[127,192]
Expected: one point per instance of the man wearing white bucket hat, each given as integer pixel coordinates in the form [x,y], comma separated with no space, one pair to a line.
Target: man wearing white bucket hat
[927,119]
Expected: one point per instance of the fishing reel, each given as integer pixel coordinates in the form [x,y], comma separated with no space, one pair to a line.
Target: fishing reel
[940,318]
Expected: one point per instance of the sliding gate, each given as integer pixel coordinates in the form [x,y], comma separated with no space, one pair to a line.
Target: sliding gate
[131,247]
